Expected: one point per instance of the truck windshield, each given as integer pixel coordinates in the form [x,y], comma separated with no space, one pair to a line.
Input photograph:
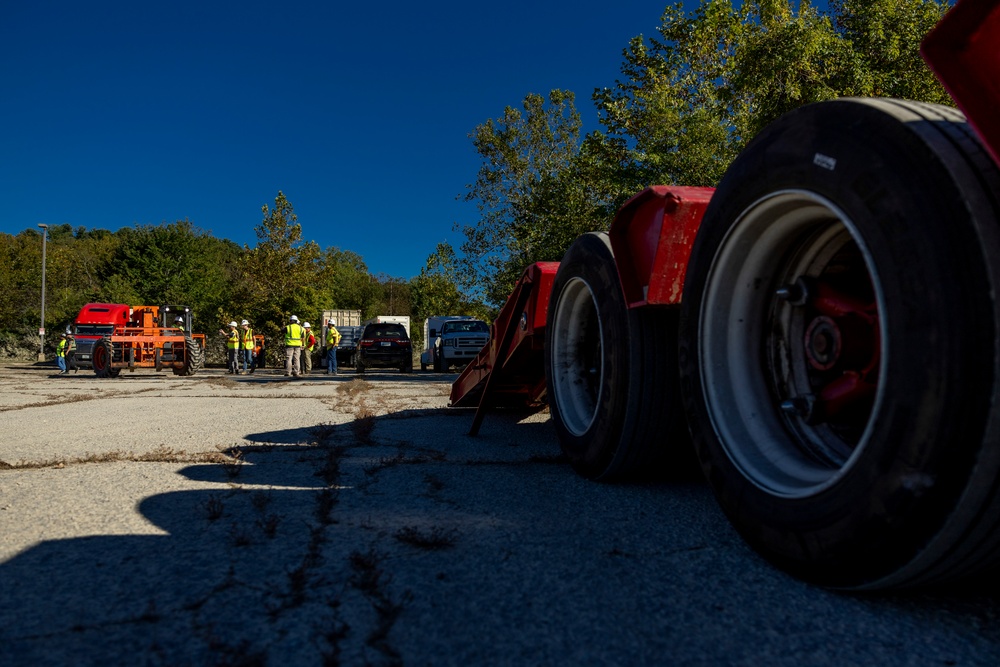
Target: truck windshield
[465,327]
[94,329]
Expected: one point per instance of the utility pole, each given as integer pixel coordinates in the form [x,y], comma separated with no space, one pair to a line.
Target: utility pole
[41,329]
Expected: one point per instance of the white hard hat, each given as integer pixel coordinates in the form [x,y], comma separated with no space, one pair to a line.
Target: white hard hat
[178,319]
[306,325]
[232,324]
[244,323]
[333,323]
[293,318]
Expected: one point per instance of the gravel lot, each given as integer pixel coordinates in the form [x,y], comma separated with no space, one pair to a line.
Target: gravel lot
[252,520]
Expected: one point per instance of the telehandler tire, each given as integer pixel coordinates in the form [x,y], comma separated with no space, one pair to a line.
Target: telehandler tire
[101,358]
[840,342]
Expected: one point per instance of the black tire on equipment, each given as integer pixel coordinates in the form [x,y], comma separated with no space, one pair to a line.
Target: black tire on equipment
[902,488]
[611,373]
[439,364]
[102,355]
[194,357]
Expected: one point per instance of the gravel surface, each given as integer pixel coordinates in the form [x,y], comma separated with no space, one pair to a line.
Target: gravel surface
[253,520]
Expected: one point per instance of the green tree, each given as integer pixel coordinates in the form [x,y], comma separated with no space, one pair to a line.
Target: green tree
[277,278]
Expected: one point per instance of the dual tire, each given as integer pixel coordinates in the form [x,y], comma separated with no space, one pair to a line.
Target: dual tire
[837,346]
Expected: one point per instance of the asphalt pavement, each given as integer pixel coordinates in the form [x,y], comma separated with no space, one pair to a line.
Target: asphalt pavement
[262,520]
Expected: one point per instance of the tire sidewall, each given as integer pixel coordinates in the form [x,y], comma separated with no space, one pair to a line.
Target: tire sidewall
[937,320]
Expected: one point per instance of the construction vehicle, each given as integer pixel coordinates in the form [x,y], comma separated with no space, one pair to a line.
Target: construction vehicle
[111,337]
[823,327]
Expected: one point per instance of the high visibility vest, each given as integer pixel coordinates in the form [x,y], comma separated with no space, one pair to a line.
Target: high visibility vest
[233,341]
[332,337]
[293,335]
[247,339]
[70,344]
[309,346]
[61,349]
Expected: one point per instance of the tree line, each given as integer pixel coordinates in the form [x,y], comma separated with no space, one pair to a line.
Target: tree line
[688,99]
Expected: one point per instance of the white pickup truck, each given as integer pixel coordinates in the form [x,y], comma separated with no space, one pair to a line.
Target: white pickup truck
[452,340]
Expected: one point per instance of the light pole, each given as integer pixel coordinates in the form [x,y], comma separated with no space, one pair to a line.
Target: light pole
[41,329]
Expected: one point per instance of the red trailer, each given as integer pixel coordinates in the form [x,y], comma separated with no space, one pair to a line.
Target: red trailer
[823,328]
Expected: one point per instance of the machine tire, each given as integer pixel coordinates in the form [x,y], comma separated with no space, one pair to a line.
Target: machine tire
[102,355]
[839,345]
[194,357]
[439,364]
[611,372]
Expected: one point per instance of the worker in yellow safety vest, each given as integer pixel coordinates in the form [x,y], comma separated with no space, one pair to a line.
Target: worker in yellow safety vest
[61,355]
[294,337]
[246,346]
[308,345]
[332,341]
[232,349]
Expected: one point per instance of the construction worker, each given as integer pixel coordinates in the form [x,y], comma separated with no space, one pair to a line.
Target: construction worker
[246,346]
[71,352]
[179,323]
[232,346]
[308,345]
[294,336]
[61,355]
[332,341]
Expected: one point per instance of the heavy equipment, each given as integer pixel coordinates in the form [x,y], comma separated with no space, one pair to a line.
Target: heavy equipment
[823,328]
[112,337]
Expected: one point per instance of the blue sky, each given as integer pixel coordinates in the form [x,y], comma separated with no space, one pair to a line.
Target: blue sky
[122,113]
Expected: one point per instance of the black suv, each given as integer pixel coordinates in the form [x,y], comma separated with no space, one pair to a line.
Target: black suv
[385,345]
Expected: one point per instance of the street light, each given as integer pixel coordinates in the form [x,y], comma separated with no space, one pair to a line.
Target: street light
[41,329]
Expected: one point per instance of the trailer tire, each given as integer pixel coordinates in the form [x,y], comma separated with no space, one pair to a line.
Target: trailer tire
[839,345]
[611,373]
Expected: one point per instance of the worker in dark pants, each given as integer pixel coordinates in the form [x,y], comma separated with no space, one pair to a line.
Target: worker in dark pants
[71,352]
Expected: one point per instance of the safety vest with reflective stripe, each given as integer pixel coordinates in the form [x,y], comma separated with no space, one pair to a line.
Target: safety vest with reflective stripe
[305,338]
[233,341]
[293,335]
[332,337]
[61,350]
[247,339]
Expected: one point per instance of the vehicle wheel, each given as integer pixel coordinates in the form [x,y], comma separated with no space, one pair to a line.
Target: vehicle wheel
[359,366]
[102,355]
[423,366]
[439,364]
[611,373]
[407,366]
[194,357]
[839,345]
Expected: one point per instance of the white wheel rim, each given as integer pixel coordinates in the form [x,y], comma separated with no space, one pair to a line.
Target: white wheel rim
[577,375]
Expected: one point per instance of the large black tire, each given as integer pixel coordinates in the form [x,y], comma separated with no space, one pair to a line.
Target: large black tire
[839,345]
[101,358]
[611,373]
[439,364]
[194,357]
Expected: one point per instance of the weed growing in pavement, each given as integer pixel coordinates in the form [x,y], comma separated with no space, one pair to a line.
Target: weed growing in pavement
[363,425]
[268,524]
[371,580]
[434,538]
[214,507]
[326,500]
[322,432]
[261,500]
[234,463]
[354,388]
[240,536]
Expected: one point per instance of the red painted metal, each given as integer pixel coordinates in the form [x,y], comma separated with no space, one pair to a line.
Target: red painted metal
[652,237]
[509,370]
[964,52]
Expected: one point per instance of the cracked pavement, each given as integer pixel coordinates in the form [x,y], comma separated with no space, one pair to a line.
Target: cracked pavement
[254,520]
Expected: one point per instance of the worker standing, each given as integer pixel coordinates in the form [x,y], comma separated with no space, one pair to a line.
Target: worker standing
[232,347]
[61,355]
[332,341]
[293,346]
[246,346]
[71,352]
[308,345]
